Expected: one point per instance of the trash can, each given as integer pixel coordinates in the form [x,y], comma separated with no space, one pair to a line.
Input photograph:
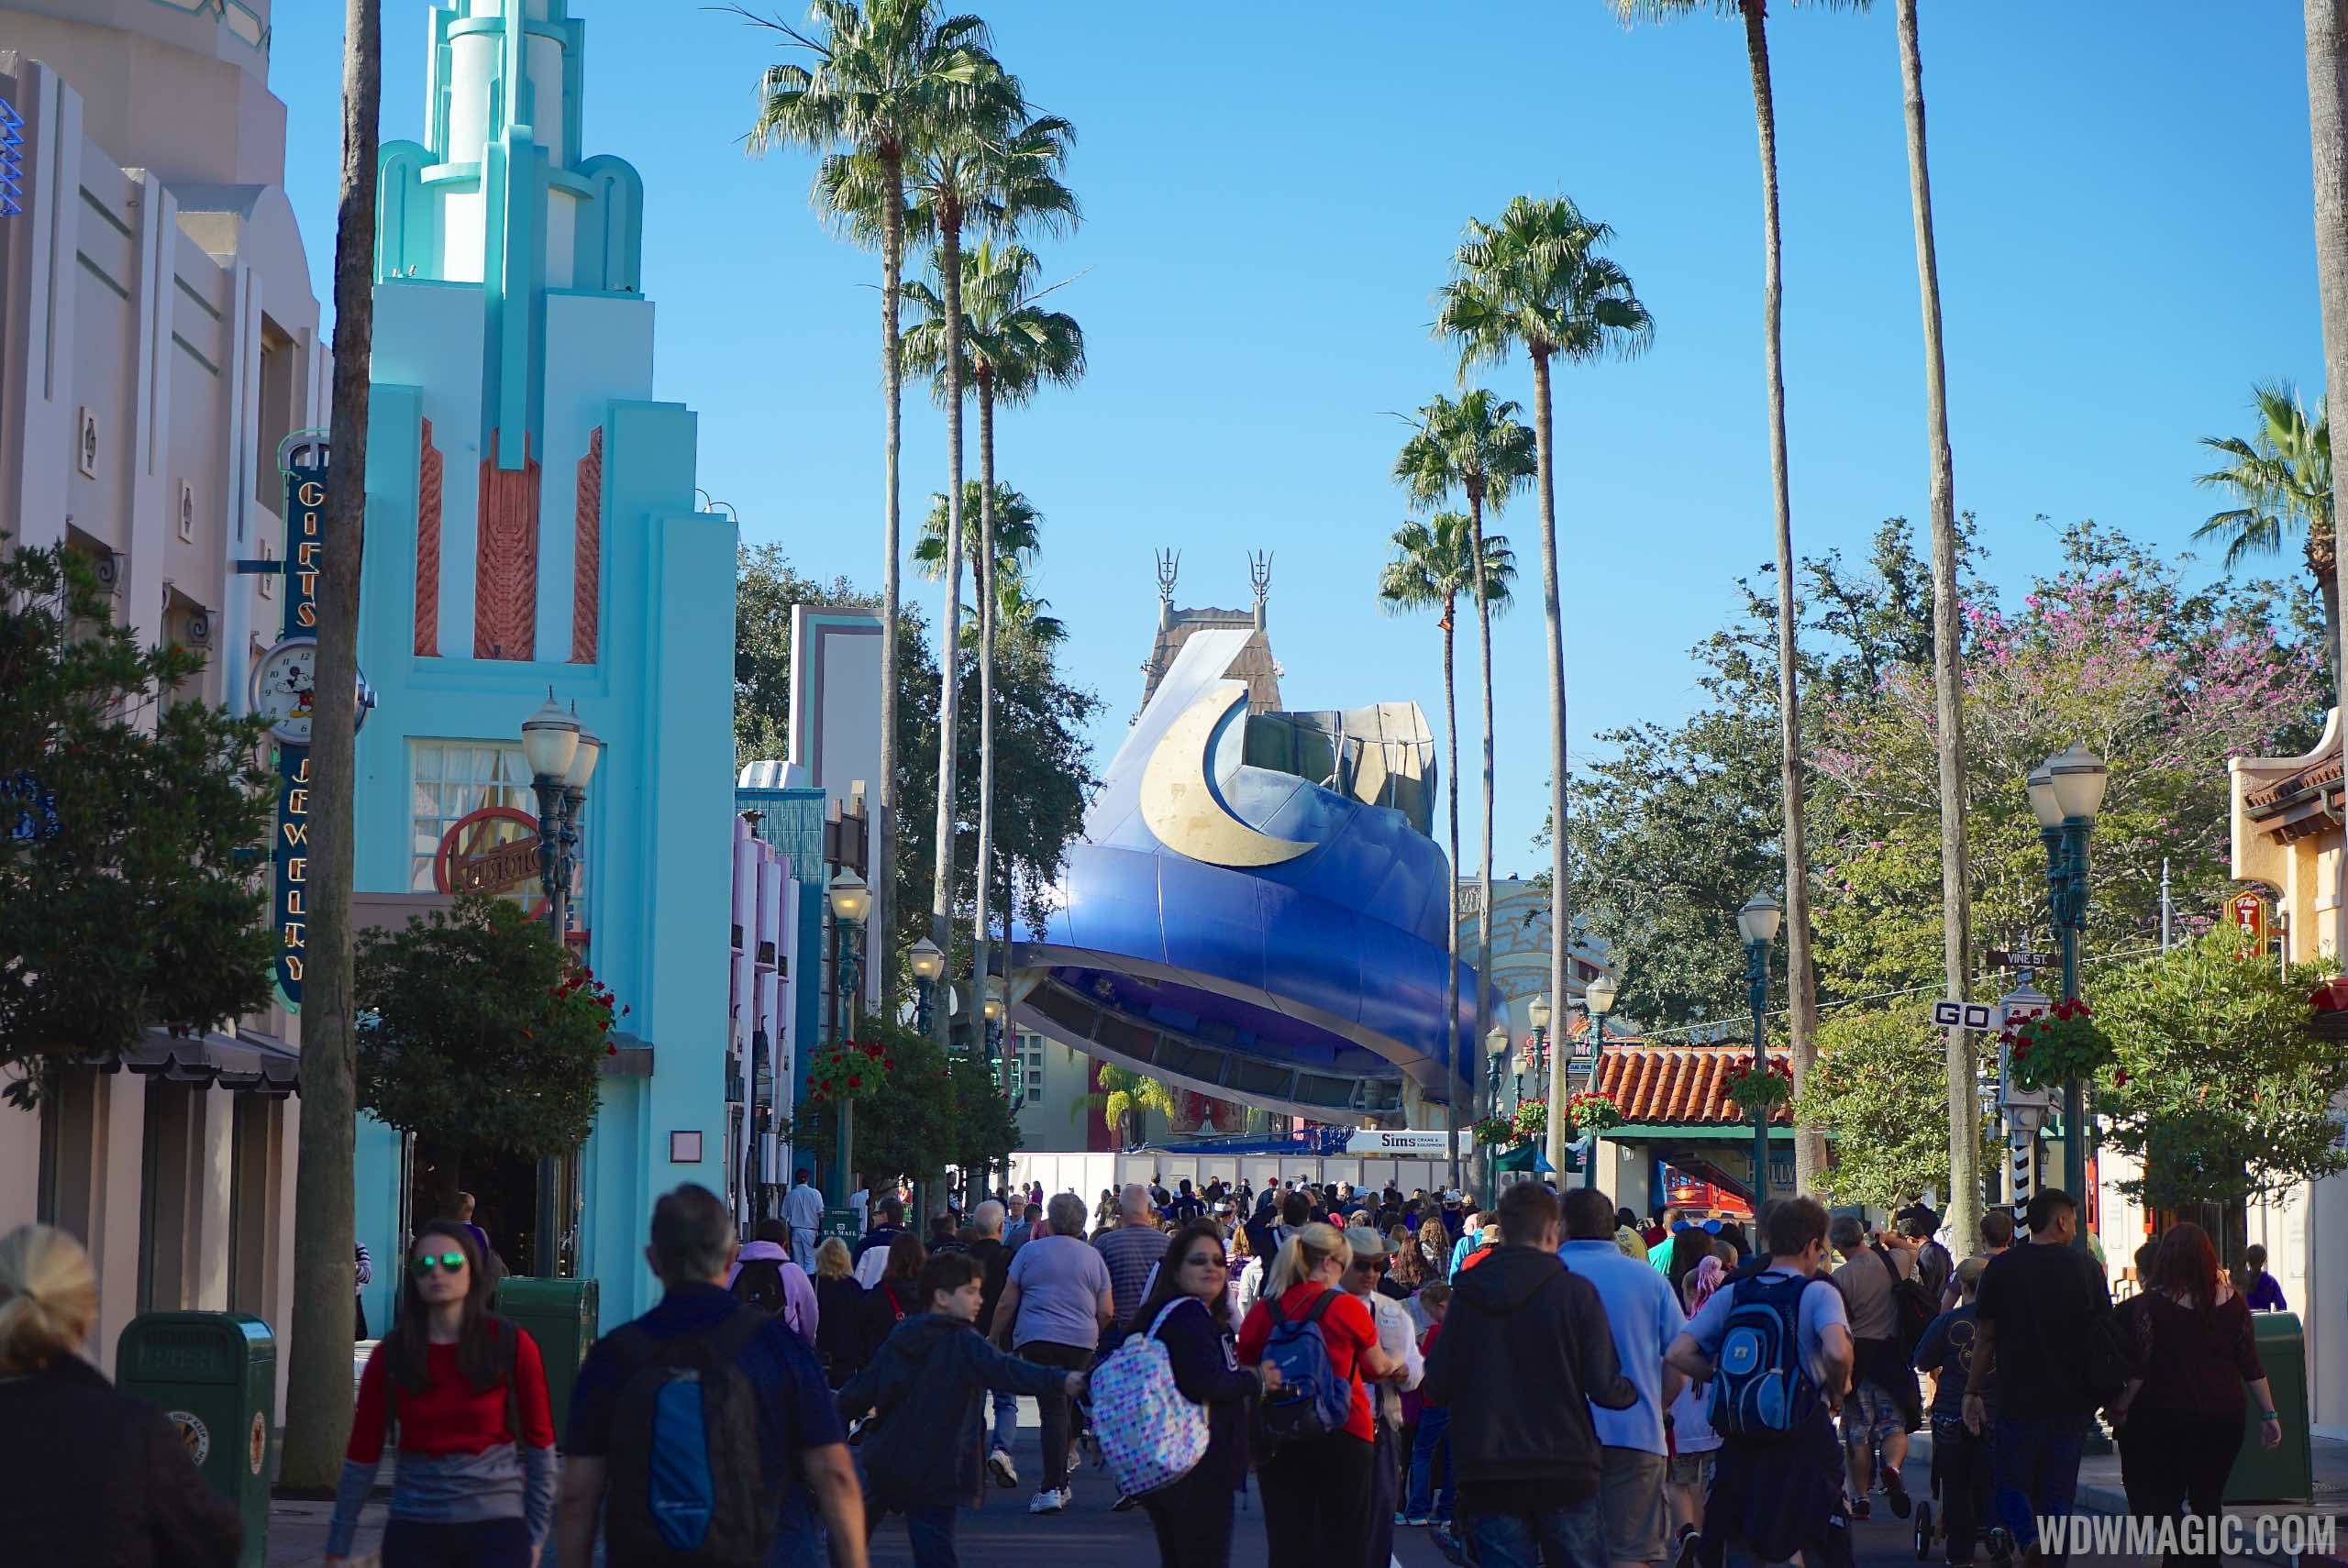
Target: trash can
[561,1314]
[2287,1475]
[214,1375]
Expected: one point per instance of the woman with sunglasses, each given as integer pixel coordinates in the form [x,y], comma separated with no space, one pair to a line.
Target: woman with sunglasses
[1193,1517]
[474,1487]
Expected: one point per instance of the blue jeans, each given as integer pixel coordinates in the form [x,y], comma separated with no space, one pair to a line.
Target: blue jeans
[1006,1419]
[1566,1536]
[2036,1466]
[1429,1449]
[932,1529]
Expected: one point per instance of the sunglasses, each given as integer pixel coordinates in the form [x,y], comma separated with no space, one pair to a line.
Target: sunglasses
[453,1262]
[1203,1260]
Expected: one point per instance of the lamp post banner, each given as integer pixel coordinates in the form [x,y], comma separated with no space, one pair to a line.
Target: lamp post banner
[306,500]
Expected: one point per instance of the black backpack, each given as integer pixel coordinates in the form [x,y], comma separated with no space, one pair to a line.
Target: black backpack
[688,1488]
[1913,1306]
[759,1284]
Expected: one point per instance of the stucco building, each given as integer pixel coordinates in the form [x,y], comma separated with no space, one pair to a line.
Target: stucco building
[159,340]
[532,527]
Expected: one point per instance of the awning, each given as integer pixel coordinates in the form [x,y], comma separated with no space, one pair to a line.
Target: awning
[1529,1157]
[249,1063]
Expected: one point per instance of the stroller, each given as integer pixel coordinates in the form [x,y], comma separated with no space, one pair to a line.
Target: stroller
[1960,1458]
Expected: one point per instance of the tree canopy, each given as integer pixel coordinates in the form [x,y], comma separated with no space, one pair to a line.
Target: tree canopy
[132,815]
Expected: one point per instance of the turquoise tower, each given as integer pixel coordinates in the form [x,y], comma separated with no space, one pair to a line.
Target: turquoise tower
[532,524]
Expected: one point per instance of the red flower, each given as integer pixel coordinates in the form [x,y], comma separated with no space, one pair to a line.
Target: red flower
[2120,1078]
[855,1082]
[611,1050]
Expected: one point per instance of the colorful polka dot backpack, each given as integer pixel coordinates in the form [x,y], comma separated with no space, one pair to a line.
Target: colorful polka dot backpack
[1150,1435]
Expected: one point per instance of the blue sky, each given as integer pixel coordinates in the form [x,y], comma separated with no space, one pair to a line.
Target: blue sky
[1271,194]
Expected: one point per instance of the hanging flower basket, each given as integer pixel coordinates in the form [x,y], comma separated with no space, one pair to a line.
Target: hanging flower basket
[1592,1111]
[847,1072]
[1532,1120]
[1495,1129]
[1760,1086]
[2058,1046]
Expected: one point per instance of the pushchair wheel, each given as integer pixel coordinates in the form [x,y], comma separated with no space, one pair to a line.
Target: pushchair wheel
[1923,1530]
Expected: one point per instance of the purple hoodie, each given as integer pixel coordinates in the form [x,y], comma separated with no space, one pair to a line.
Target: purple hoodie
[798,1290]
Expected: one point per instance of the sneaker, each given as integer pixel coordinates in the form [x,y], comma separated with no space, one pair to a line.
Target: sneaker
[1896,1490]
[1123,1504]
[1416,1522]
[1684,1554]
[1006,1474]
[1047,1502]
[1450,1545]
[1861,1509]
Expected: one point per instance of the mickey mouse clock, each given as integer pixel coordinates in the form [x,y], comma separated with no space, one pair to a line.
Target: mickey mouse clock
[284,689]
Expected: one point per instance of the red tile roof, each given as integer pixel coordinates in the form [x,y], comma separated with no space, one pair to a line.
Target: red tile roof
[2323,771]
[1678,1085]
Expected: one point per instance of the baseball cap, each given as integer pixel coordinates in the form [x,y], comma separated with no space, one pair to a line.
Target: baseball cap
[1365,1241]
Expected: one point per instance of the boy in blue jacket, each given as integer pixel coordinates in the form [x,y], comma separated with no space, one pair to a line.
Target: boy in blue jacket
[926,1391]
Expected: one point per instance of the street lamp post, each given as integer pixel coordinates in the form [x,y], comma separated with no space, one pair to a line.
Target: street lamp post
[1597,995]
[561,757]
[1496,1057]
[999,1062]
[1756,923]
[928,962]
[2065,792]
[849,901]
[1536,1043]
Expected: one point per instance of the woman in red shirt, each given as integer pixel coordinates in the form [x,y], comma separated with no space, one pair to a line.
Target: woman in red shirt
[475,1481]
[1318,1493]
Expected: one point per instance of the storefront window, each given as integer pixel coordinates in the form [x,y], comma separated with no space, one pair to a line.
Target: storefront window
[449,780]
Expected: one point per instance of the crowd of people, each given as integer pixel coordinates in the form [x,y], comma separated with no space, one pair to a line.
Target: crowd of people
[1551,1382]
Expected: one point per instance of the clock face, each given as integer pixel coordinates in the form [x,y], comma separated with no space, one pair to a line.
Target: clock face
[284,687]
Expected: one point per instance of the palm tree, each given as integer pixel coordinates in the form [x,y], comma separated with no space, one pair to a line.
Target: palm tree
[996,171]
[317,1388]
[1436,562]
[1476,448]
[1810,1145]
[2327,29]
[883,77]
[1013,346]
[1019,614]
[1948,674]
[1122,1096]
[1537,280]
[2282,475]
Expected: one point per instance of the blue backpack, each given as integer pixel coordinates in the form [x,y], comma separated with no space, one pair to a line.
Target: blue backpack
[1311,1401]
[1761,1389]
[688,1488]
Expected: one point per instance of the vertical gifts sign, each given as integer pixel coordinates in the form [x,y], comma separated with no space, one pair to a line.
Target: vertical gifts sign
[306,500]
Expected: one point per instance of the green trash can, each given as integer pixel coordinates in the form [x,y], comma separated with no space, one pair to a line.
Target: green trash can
[562,1315]
[2287,1474]
[214,1375]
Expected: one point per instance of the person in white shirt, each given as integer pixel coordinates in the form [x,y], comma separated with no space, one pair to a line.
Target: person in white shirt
[1397,1340]
[803,1210]
[860,1200]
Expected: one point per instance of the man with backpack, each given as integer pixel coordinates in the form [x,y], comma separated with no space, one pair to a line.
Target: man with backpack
[925,1391]
[766,1276]
[1775,1347]
[1888,1310]
[1525,1353]
[769,1454]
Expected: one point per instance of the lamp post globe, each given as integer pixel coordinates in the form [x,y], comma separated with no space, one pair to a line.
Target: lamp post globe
[590,752]
[848,897]
[1537,1014]
[2065,794]
[550,740]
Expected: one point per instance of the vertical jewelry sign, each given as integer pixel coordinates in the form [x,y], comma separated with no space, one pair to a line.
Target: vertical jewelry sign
[306,500]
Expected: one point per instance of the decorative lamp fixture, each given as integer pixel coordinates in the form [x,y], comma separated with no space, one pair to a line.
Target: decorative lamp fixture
[851,898]
[1496,1042]
[550,740]
[994,1007]
[2078,777]
[926,960]
[1599,995]
[1536,1012]
[1757,921]
[583,761]
[2042,803]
